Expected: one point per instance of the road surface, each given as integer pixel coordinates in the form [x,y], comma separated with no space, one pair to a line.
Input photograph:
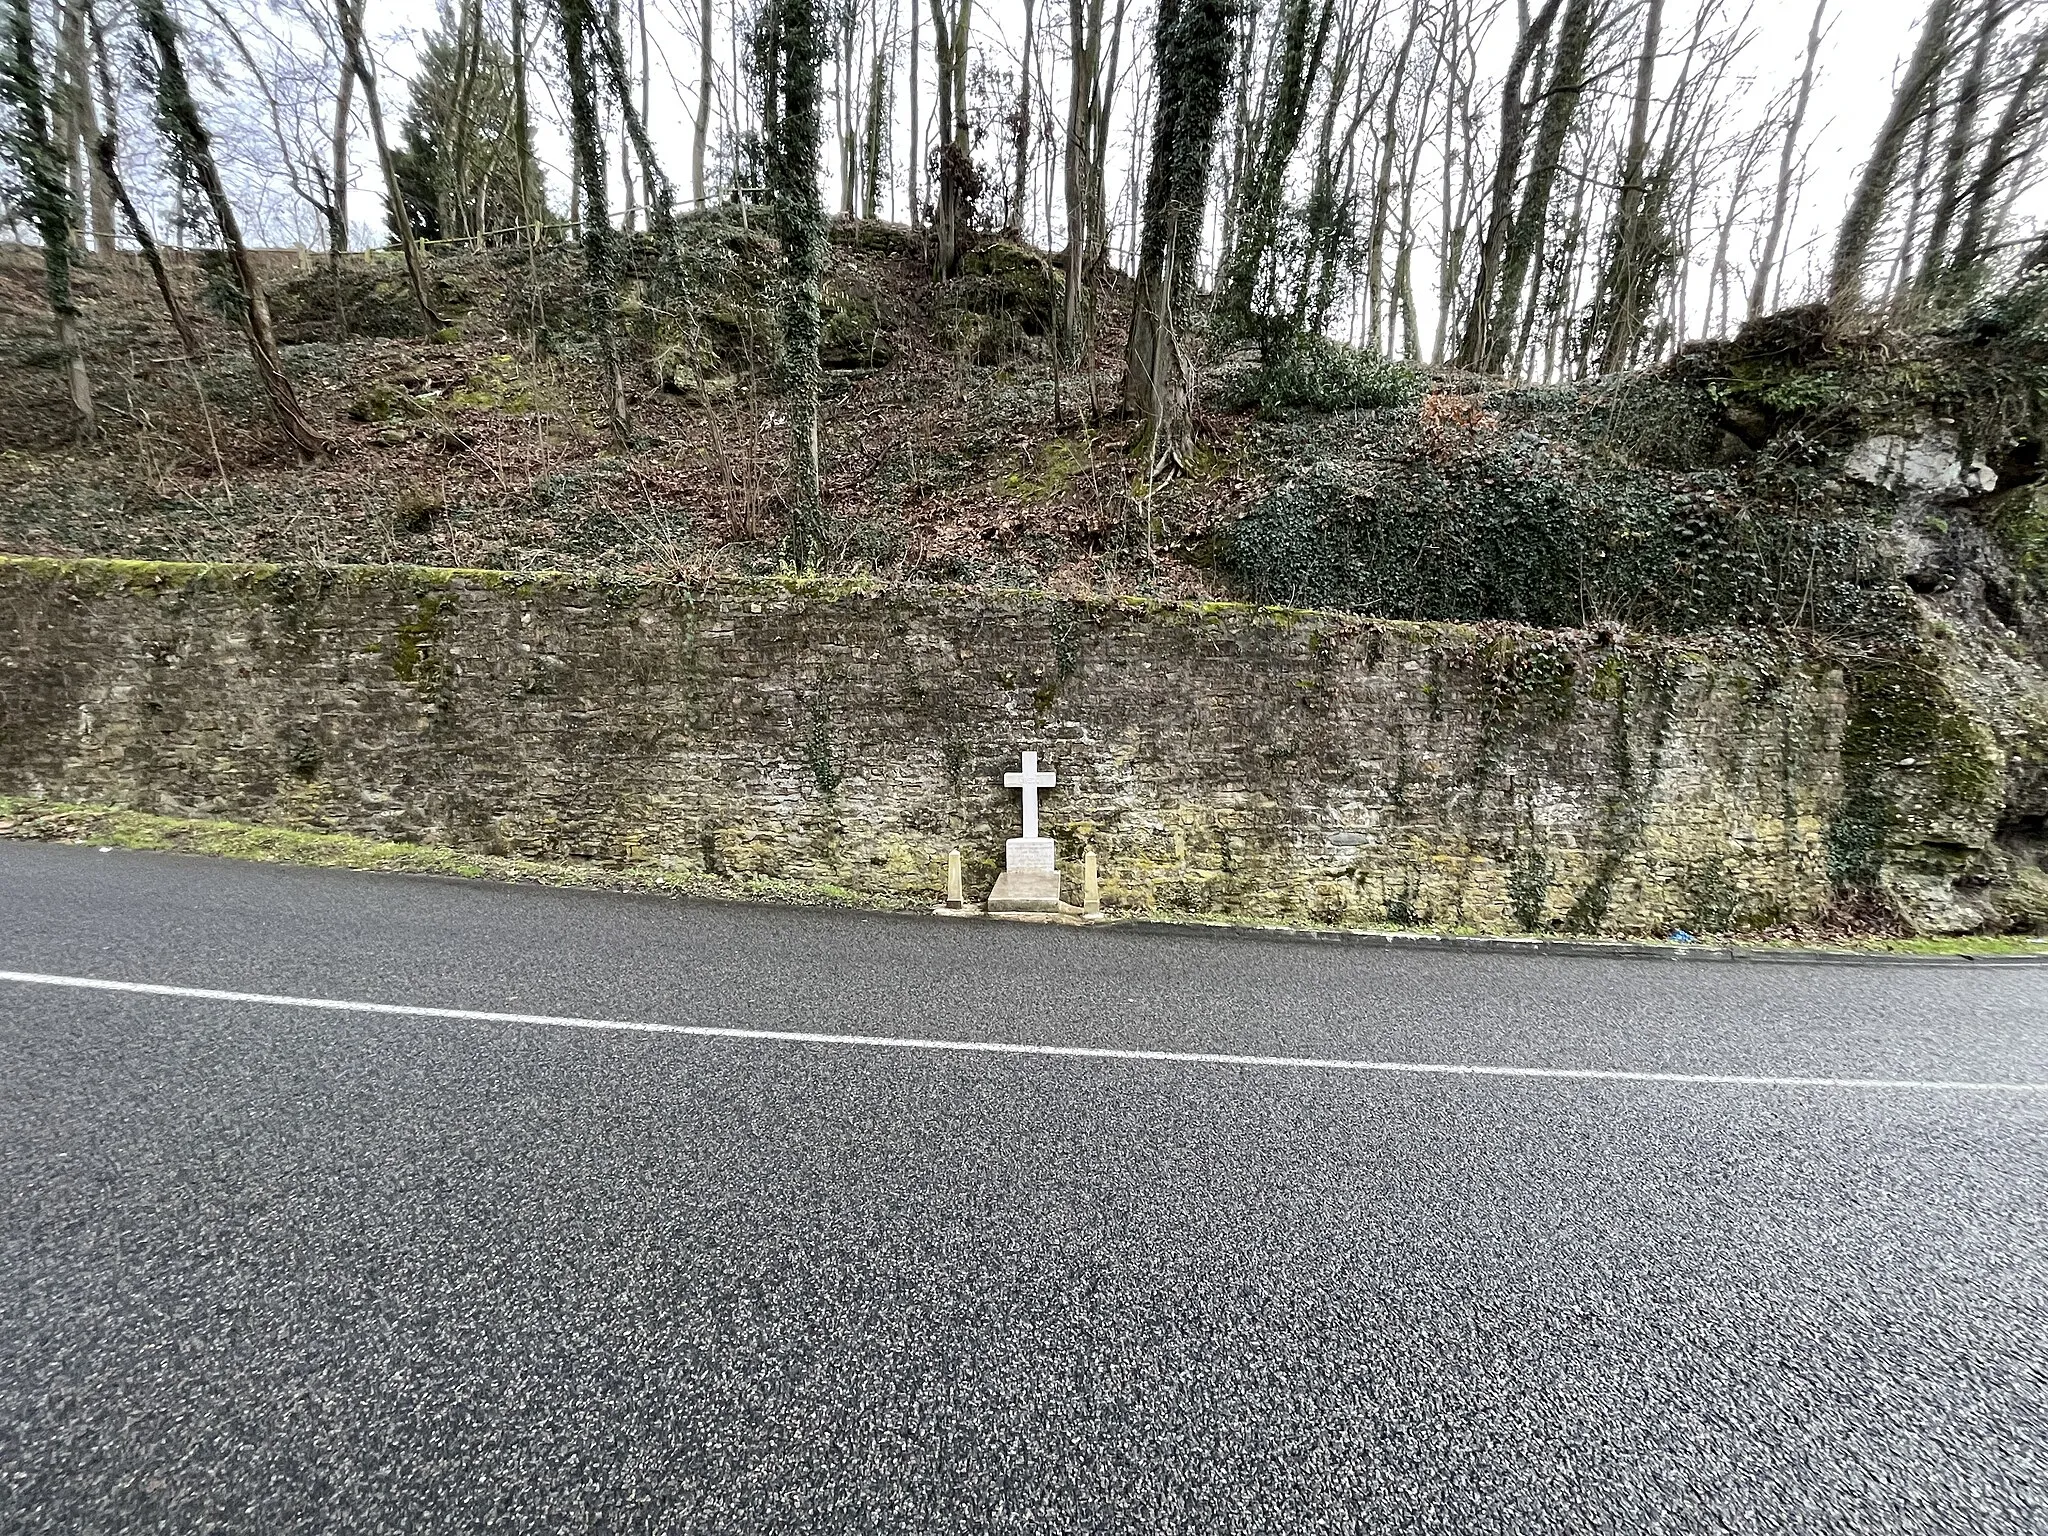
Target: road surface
[276,1267]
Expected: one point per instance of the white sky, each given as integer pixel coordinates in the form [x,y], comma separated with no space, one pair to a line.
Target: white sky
[1866,41]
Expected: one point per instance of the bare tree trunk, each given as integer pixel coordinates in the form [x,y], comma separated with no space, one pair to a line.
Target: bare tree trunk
[1760,285]
[1013,217]
[916,166]
[1245,121]
[1719,275]
[1873,189]
[337,165]
[701,128]
[532,205]
[2001,151]
[1383,184]
[100,199]
[1477,342]
[350,14]
[192,146]
[105,152]
[647,170]
[1454,205]
[844,116]
[64,116]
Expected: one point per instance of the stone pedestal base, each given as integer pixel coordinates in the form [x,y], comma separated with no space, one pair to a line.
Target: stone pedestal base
[1030,881]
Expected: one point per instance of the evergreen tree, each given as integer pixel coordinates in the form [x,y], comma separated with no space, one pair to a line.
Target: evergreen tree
[459,157]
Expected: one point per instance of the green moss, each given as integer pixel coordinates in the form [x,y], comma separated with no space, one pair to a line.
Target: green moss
[1910,755]
[2021,526]
[818,754]
[1052,466]
[114,827]
[416,647]
[496,386]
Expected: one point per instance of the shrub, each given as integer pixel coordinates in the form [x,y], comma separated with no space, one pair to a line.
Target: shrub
[1512,532]
[1313,373]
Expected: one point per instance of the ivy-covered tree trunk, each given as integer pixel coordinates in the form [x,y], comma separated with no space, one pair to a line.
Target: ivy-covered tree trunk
[2003,148]
[349,13]
[32,149]
[1020,128]
[1623,296]
[192,152]
[1305,32]
[580,28]
[876,126]
[1962,132]
[532,202]
[105,152]
[1873,188]
[959,182]
[1192,44]
[794,134]
[1476,342]
[1519,254]
[660,192]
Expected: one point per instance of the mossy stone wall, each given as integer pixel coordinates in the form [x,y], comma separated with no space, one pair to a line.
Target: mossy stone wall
[1221,760]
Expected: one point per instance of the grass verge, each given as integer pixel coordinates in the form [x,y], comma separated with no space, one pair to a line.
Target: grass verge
[53,821]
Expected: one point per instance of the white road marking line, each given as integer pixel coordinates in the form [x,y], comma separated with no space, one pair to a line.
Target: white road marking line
[1013,1048]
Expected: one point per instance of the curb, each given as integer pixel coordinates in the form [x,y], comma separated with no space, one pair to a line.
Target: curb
[1616,949]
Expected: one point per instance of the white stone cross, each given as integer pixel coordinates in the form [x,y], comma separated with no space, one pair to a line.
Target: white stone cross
[1031,781]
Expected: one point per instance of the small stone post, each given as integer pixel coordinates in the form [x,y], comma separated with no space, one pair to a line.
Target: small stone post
[1091,889]
[956,893]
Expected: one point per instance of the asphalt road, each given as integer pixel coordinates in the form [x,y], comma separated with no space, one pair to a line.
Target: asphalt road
[278,1269]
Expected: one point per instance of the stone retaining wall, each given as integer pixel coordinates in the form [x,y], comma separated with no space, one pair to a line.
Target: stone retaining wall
[1221,760]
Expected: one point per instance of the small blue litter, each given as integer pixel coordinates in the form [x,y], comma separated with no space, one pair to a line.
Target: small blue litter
[1680,936]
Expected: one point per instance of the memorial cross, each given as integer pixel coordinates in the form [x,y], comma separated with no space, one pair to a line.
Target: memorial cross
[1031,781]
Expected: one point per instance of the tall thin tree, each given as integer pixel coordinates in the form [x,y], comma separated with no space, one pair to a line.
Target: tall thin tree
[1781,200]
[1192,45]
[1867,204]
[582,32]
[191,149]
[349,13]
[34,154]
[793,145]
[106,151]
